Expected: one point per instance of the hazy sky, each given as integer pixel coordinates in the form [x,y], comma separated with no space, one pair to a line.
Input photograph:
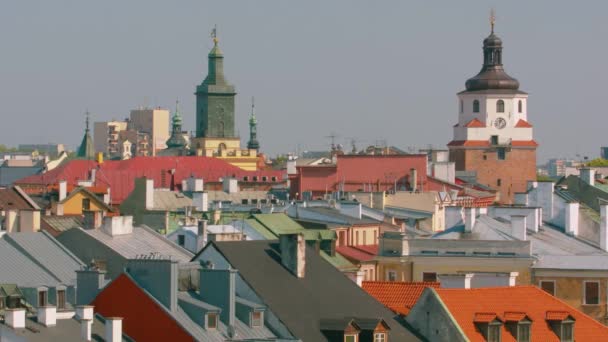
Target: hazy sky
[372,70]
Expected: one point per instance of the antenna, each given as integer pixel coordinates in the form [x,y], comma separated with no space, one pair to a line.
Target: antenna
[333,137]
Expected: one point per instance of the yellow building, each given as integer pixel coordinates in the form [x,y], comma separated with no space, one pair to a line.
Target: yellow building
[79,201]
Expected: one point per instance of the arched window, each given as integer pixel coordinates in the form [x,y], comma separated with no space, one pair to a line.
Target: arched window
[500,106]
[476,106]
[520,106]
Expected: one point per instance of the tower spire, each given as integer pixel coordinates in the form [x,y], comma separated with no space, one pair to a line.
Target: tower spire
[87,114]
[253,143]
[492,20]
[214,35]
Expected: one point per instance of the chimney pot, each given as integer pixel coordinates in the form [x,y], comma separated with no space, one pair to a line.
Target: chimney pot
[293,253]
[15,318]
[113,329]
[469,219]
[518,227]
[63,190]
[85,329]
[47,315]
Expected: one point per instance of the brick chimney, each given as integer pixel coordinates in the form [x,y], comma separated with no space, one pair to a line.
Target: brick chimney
[63,190]
[157,276]
[293,253]
[201,236]
[413,179]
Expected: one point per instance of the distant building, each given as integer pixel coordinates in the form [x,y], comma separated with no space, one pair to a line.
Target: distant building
[52,150]
[493,136]
[106,136]
[559,167]
[604,152]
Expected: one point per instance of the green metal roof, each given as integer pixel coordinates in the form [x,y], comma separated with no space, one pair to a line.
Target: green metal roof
[271,226]
[339,262]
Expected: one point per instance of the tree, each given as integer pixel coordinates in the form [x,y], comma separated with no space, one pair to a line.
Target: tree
[598,162]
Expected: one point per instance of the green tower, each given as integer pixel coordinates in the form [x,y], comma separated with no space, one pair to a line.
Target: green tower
[86,149]
[215,99]
[177,139]
[253,143]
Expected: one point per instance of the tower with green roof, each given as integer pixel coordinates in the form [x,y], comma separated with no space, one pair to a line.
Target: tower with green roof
[86,149]
[177,139]
[215,99]
[253,143]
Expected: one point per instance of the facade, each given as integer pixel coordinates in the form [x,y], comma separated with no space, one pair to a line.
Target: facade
[493,137]
[18,212]
[154,123]
[106,136]
[215,117]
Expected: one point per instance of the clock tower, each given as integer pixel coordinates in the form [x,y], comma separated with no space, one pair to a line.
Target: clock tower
[493,138]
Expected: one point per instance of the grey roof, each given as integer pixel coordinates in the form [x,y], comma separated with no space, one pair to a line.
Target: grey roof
[334,216]
[36,259]
[236,197]
[142,240]
[170,200]
[573,262]
[66,330]
[62,223]
[301,303]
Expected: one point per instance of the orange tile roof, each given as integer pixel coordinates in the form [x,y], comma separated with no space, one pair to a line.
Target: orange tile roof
[480,143]
[398,296]
[538,305]
[523,123]
[530,143]
[475,123]
[484,317]
[514,316]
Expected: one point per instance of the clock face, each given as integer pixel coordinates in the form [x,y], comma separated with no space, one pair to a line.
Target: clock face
[500,123]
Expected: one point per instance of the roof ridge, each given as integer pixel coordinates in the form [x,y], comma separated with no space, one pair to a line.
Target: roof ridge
[18,247]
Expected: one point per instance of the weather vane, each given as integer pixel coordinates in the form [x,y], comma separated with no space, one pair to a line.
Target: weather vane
[214,34]
[492,19]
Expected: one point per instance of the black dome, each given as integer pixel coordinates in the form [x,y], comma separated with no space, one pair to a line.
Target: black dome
[492,75]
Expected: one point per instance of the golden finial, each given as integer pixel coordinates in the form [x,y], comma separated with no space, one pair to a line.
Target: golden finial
[214,35]
[492,19]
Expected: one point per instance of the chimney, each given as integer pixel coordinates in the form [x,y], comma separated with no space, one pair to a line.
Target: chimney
[572,218]
[84,312]
[604,226]
[230,185]
[158,277]
[513,278]
[218,287]
[291,166]
[414,179]
[47,315]
[518,227]
[88,284]
[201,201]
[117,225]
[193,184]
[149,192]
[293,253]
[351,209]
[113,329]
[86,325]
[15,318]
[201,237]
[11,223]
[359,277]
[93,174]
[107,197]
[63,190]
[587,175]
[469,219]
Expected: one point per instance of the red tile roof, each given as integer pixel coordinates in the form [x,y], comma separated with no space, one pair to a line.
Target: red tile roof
[472,143]
[538,305]
[523,123]
[120,175]
[524,143]
[475,123]
[358,253]
[143,318]
[484,317]
[398,296]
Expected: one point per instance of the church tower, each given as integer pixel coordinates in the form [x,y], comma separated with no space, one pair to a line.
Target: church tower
[253,143]
[86,149]
[493,138]
[215,99]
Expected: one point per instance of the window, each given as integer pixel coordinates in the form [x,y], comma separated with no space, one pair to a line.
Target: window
[254,201]
[264,179]
[567,332]
[256,319]
[42,298]
[86,204]
[498,182]
[494,140]
[548,286]
[485,157]
[211,321]
[500,106]
[350,338]
[494,332]
[429,276]
[501,153]
[379,337]
[592,292]
[523,332]
[520,106]
[245,179]
[244,201]
[391,275]
[356,237]
[476,106]
[255,178]
[181,240]
[461,106]
[60,299]
[365,237]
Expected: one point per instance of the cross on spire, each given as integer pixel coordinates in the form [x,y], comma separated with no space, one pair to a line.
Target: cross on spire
[492,19]
[214,34]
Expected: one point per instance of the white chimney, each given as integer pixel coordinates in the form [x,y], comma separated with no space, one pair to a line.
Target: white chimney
[291,166]
[117,225]
[149,193]
[47,315]
[604,226]
[84,312]
[572,218]
[113,329]
[513,278]
[293,253]
[413,179]
[469,219]
[359,276]
[588,175]
[63,190]
[200,200]
[14,318]
[201,237]
[230,185]
[86,325]
[518,227]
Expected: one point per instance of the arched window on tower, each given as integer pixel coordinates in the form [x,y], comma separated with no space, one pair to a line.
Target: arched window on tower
[500,106]
[476,106]
[520,106]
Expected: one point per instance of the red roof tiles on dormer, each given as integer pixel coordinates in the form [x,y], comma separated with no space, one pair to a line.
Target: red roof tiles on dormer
[485,317]
[475,124]
[398,296]
[523,123]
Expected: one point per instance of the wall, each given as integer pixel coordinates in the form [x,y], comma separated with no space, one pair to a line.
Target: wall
[74,205]
[430,318]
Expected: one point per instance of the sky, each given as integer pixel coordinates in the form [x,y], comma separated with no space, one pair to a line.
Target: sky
[368,71]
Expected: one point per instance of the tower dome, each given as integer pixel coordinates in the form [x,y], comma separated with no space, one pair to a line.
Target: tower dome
[492,75]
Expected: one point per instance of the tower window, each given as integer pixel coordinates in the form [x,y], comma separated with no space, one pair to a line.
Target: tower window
[501,153]
[520,106]
[500,106]
[498,182]
[476,106]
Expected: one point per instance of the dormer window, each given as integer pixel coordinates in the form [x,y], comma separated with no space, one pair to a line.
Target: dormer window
[257,319]
[380,337]
[494,331]
[523,332]
[211,321]
[567,331]
[562,324]
[489,325]
[351,337]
